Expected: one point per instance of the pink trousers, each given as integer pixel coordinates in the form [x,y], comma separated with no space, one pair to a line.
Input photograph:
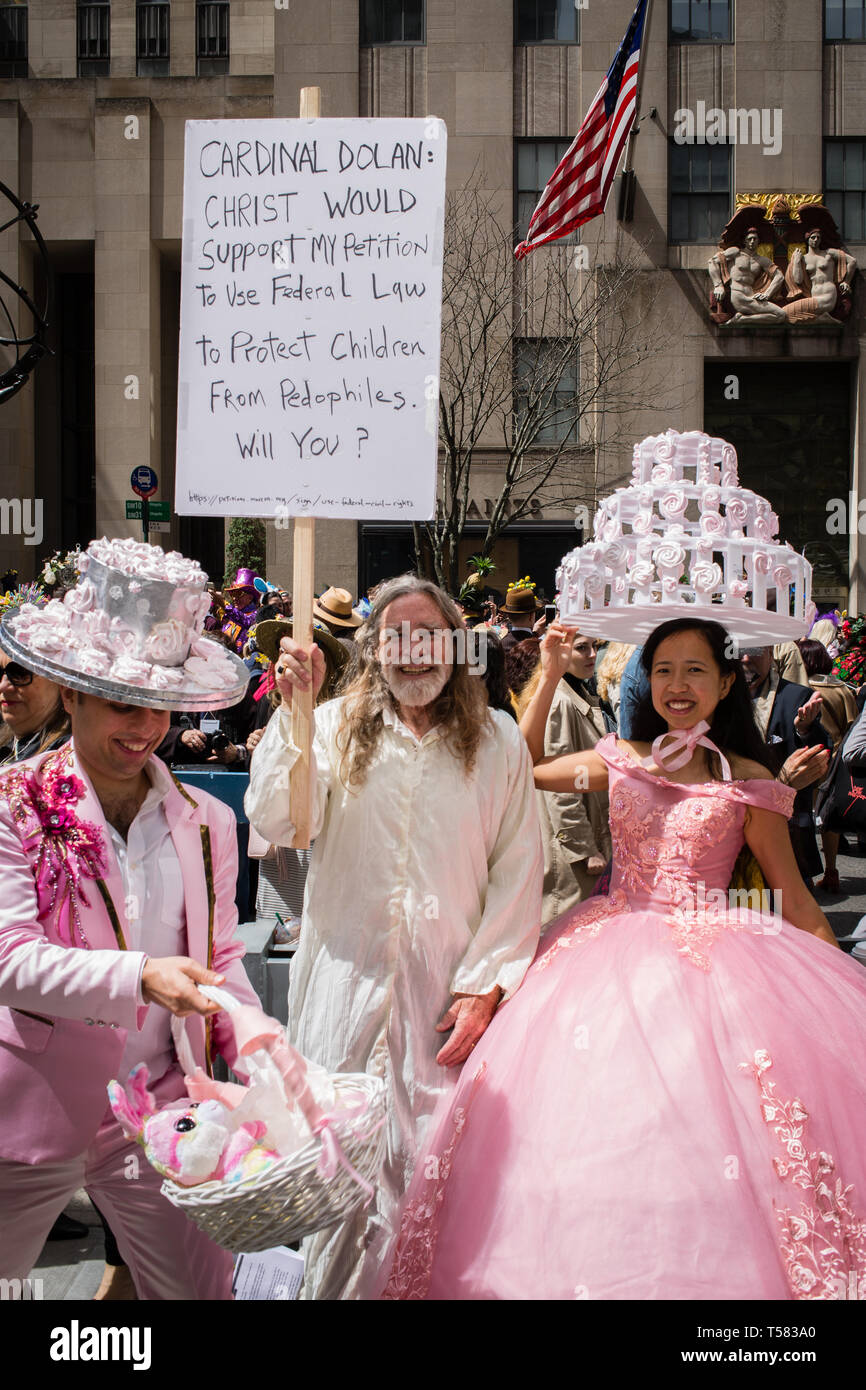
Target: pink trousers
[168,1257]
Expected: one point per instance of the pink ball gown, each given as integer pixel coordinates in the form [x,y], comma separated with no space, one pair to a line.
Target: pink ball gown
[673,1104]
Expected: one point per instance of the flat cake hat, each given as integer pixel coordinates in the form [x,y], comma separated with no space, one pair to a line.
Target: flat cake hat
[129,631]
[684,539]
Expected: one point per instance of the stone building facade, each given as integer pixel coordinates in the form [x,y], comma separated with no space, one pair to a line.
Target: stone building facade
[95,138]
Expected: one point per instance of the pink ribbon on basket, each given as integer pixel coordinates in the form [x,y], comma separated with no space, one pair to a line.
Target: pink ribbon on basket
[333,1157]
[681,749]
[253,1031]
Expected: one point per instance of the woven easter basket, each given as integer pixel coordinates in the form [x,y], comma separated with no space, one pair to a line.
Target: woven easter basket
[292,1199]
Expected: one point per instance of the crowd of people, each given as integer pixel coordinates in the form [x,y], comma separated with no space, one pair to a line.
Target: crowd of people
[474,822]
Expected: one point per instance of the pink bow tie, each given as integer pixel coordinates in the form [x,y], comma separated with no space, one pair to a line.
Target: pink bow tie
[681,749]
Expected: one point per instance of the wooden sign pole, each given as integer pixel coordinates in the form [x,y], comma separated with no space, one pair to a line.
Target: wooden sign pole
[304,534]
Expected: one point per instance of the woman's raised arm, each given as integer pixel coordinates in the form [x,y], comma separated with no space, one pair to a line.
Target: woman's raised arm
[556,648]
[581,772]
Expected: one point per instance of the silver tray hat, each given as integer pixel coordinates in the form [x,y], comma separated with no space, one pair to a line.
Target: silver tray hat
[130,631]
[685,540]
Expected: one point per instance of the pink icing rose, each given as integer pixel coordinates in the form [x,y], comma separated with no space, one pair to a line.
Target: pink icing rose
[737,511]
[616,555]
[665,446]
[705,577]
[167,643]
[92,662]
[712,524]
[642,575]
[166,677]
[80,599]
[96,623]
[674,503]
[662,473]
[211,674]
[47,643]
[127,671]
[670,556]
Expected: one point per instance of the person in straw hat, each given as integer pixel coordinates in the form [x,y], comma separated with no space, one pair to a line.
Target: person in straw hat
[424,892]
[118,902]
[334,609]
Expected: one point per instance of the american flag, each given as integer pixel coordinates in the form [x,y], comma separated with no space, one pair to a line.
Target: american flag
[581,181]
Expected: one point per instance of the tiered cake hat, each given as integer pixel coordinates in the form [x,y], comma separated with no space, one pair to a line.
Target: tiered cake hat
[685,540]
[129,631]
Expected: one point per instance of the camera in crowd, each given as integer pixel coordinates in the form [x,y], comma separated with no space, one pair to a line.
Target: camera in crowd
[215,743]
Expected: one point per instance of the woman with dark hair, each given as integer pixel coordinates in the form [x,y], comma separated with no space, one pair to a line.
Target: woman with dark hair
[672,1104]
[521,660]
[495,665]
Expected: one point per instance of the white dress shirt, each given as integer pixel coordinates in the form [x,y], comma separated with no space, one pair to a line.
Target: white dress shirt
[155,913]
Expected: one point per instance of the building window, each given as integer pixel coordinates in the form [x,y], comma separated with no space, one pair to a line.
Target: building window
[701,21]
[536,161]
[152,38]
[93,39]
[546,389]
[700,181]
[392,21]
[845,186]
[545,21]
[13,40]
[211,37]
[844,21]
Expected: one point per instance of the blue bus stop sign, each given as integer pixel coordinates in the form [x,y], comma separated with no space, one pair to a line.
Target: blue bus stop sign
[144,481]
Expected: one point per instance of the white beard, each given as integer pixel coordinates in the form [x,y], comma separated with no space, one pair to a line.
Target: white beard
[409,690]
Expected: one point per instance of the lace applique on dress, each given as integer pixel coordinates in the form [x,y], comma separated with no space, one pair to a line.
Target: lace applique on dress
[416,1246]
[591,917]
[824,1244]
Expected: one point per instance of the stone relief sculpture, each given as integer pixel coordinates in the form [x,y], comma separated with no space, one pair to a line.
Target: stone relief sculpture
[751,281]
[777,266]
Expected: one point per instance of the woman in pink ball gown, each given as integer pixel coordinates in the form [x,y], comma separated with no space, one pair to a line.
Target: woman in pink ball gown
[673,1105]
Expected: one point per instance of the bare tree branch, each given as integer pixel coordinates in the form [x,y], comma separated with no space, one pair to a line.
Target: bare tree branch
[536,358]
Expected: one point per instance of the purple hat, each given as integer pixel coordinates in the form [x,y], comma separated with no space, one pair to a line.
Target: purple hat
[244,579]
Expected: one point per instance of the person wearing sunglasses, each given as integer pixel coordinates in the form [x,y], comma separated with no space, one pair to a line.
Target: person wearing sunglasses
[33,718]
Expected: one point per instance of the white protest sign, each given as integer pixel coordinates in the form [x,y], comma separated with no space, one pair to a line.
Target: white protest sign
[311,303]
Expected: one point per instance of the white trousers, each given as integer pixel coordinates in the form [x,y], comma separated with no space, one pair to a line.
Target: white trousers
[168,1257]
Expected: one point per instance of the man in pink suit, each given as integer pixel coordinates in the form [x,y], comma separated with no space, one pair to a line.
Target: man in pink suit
[117,902]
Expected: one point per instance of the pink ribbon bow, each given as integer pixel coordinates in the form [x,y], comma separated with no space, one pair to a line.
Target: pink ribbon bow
[681,748]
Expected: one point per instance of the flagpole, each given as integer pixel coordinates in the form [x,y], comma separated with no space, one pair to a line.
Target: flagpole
[632,135]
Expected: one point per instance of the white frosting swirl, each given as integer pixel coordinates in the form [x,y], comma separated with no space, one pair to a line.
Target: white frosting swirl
[670,555]
[127,671]
[93,662]
[81,598]
[705,576]
[212,674]
[167,643]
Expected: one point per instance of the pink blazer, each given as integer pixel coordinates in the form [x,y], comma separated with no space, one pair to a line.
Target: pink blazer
[66,1006]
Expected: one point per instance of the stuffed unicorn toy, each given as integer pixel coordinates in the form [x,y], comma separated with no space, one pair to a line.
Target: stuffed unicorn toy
[227,1132]
[191,1141]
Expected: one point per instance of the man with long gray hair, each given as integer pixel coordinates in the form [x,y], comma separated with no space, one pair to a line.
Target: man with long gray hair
[423,899]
